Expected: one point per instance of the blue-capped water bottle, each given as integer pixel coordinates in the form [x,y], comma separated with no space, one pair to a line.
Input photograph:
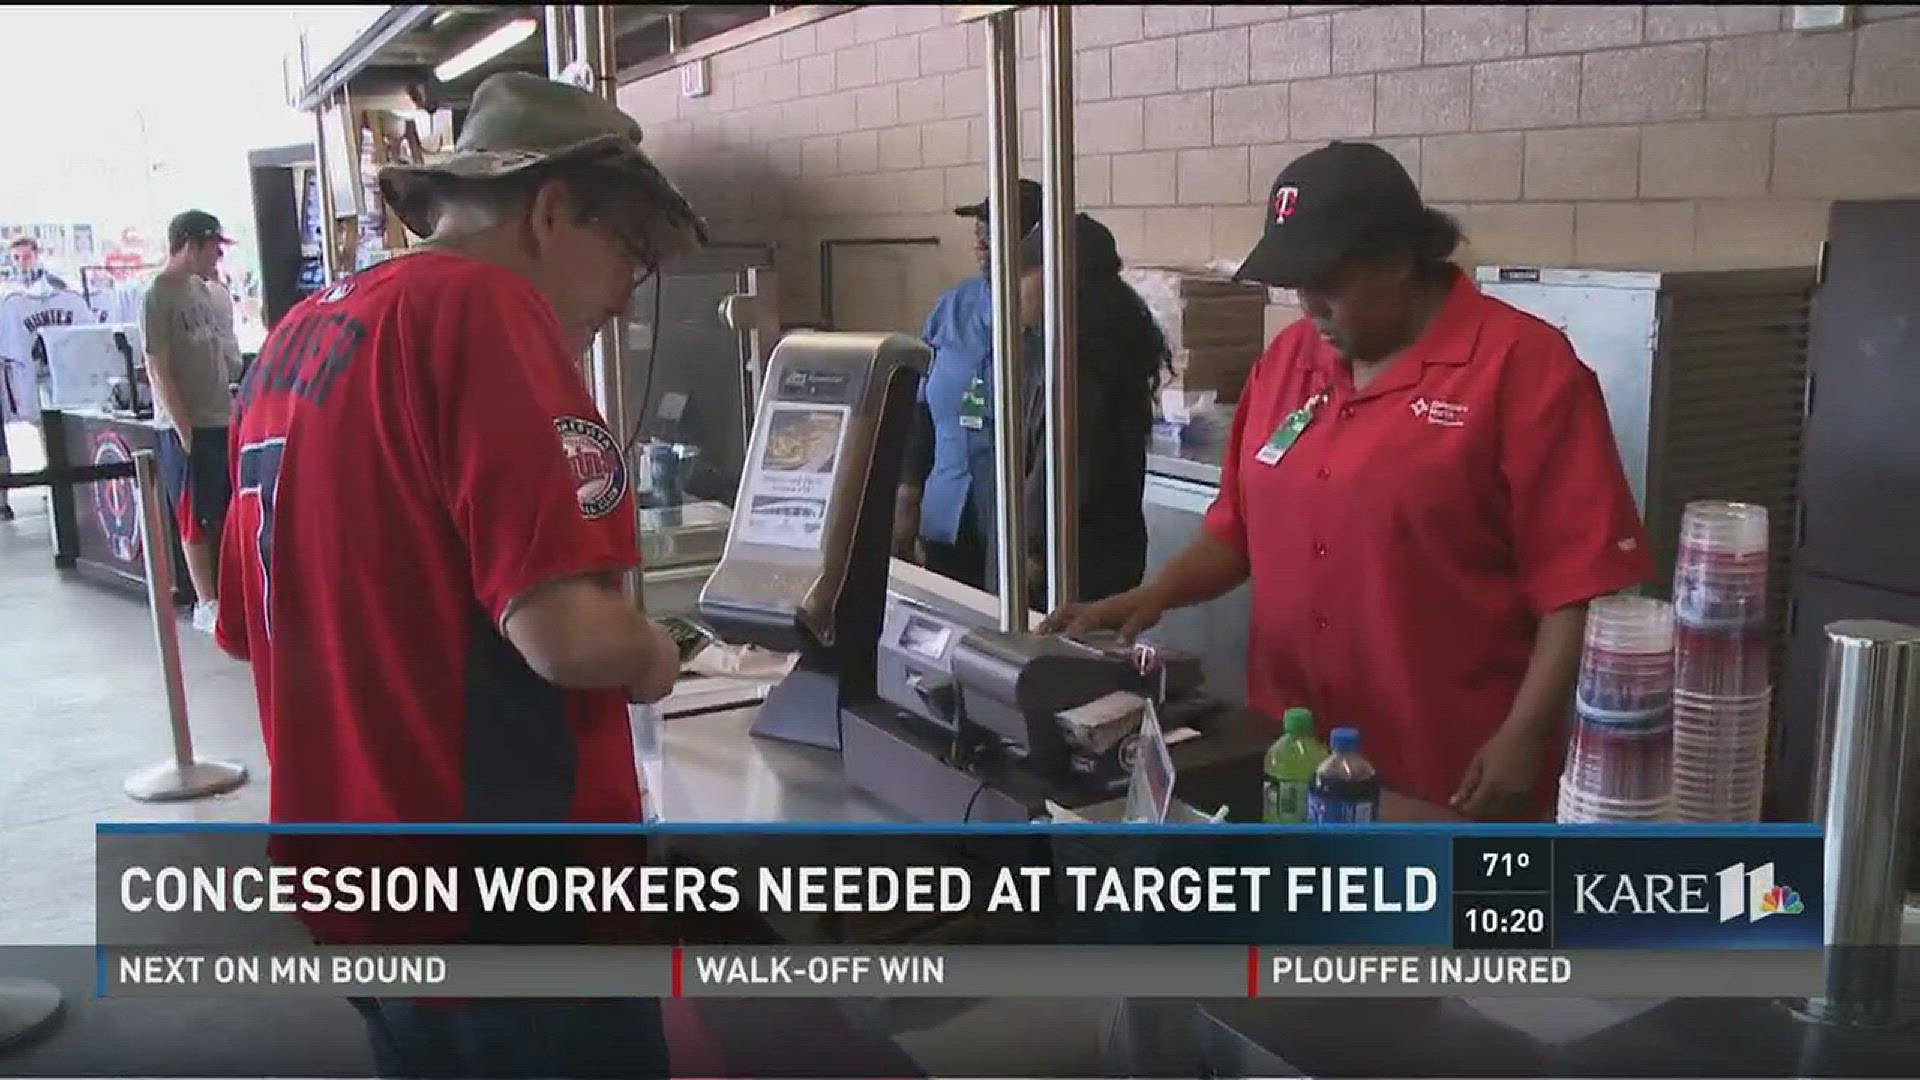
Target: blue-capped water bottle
[1345,789]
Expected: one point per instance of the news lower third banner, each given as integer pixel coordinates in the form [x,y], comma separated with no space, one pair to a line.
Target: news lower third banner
[964,911]
[965,971]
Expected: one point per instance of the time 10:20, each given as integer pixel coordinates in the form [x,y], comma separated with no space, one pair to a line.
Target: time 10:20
[1527,920]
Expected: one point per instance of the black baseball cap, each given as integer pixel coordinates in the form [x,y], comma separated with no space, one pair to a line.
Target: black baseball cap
[1094,249]
[1029,206]
[1322,204]
[195,225]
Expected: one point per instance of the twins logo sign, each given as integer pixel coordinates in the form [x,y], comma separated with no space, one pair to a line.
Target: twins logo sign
[594,458]
[116,503]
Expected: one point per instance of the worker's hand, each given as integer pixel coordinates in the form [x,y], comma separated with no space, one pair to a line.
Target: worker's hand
[1129,613]
[662,672]
[1500,779]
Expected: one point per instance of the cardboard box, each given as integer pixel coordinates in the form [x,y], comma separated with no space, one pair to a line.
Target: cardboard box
[1216,327]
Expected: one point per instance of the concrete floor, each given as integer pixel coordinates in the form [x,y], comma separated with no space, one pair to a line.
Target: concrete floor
[82,706]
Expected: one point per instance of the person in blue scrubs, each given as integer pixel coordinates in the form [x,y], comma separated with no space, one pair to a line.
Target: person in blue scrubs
[945,506]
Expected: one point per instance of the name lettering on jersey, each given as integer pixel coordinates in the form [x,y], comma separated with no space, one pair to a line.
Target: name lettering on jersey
[599,470]
[305,357]
[40,320]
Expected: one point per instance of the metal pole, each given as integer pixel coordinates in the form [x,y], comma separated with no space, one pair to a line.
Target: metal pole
[1003,158]
[328,257]
[559,39]
[594,39]
[1867,798]
[184,777]
[1061,317]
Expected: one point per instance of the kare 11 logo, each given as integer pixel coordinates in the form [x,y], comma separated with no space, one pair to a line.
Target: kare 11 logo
[1740,905]
[1742,892]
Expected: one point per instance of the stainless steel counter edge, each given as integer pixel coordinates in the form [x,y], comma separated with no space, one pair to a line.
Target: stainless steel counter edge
[1199,465]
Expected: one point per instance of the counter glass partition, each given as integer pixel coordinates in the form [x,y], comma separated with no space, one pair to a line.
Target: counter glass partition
[690,381]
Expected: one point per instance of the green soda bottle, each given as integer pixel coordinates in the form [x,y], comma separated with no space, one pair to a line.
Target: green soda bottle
[1291,761]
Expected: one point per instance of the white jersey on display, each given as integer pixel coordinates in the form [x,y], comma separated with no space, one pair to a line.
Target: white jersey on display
[23,315]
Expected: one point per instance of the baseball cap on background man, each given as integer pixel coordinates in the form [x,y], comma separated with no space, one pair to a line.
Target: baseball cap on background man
[1029,196]
[194,225]
[519,122]
[1094,249]
[1323,205]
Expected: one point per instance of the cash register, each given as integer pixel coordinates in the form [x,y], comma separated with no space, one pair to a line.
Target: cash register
[969,723]
[933,709]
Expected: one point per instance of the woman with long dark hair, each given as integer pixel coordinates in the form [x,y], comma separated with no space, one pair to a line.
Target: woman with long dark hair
[1121,357]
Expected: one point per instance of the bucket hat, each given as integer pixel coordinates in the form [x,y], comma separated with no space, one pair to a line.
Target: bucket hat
[520,121]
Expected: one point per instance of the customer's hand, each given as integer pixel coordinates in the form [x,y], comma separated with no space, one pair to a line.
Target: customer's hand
[1501,778]
[1129,613]
[662,670]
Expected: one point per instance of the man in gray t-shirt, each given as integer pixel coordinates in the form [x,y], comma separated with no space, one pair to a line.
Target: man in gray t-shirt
[192,358]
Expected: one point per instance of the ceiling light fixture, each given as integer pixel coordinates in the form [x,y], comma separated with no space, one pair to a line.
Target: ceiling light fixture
[495,43]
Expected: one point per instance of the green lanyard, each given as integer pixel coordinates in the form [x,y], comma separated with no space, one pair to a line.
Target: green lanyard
[1289,430]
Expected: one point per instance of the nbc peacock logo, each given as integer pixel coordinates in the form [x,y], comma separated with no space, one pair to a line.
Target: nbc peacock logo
[1753,893]
[1780,900]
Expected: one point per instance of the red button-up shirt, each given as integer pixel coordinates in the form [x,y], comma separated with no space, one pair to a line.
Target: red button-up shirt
[1406,546]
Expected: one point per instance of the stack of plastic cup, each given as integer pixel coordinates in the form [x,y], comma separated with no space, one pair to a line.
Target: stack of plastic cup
[1722,689]
[1619,766]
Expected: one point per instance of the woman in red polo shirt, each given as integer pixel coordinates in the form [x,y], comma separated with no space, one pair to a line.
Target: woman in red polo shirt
[1422,485]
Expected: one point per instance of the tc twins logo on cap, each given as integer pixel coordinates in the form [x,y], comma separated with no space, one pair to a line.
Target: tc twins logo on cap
[1285,201]
[594,458]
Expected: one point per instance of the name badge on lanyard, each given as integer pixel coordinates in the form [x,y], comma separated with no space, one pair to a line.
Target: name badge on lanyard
[973,405]
[1285,435]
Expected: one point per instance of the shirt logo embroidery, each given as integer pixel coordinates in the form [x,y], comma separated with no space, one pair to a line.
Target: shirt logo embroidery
[337,293]
[596,464]
[1285,202]
[1627,544]
[1440,413]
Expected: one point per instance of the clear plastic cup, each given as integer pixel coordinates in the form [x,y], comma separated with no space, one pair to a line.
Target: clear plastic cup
[1626,663]
[1576,806]
[1731,528]
[1726,662]
[1720,569]
[1621,756]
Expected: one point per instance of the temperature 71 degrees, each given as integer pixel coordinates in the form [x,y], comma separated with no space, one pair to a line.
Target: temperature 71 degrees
[1504,863]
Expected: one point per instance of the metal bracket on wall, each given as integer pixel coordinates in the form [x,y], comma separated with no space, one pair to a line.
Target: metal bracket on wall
[827,248]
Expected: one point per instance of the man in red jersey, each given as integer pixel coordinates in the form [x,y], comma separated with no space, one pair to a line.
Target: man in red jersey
[470,654]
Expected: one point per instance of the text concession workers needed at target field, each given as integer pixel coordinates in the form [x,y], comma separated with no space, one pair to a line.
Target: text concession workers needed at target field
[1211,912]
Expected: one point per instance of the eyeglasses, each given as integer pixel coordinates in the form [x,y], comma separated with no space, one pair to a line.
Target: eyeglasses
[638,252]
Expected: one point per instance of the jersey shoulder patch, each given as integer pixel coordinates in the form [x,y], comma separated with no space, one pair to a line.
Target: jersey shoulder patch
[593,457]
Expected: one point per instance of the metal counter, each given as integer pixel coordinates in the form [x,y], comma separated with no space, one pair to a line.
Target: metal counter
[1194,464]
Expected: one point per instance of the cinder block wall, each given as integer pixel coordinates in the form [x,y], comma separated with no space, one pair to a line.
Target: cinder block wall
[1645,136]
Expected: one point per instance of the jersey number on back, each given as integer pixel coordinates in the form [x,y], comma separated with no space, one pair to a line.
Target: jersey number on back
[260,479]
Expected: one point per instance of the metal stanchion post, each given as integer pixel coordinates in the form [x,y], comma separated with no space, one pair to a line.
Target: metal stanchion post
[27,1007]
[1867,798]
[1003,211]
[184,777]
[1060,321]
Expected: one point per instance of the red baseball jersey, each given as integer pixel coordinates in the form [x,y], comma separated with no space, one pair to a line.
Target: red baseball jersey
[413,450]
[1407,543]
